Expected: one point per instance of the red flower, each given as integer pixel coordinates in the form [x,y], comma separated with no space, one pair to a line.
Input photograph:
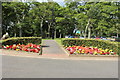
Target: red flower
[7,47]
[35,46]
[31,50]
[26,49]
[29,47]
[38,46]
[99,51]
[72,51]
[10,46]
[107,53]
[68,48]
[114,53]
[36,50]
[103,53]
[14,48]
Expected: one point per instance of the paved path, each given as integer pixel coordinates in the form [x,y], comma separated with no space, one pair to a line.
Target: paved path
[23,67]
[50,47]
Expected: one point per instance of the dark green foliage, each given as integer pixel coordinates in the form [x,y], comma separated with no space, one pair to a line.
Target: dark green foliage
[49,19]
[21,40]
[94,43]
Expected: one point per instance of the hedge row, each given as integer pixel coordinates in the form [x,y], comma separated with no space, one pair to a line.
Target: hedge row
[115,46]
[21,40]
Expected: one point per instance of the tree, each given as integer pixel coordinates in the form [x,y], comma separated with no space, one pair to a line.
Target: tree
[50,20]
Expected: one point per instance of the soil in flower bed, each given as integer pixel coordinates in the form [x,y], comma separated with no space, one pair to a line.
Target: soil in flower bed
[89,51]
[28,48]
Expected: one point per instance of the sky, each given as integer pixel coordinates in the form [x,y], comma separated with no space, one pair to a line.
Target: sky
[53,0]
[60,2]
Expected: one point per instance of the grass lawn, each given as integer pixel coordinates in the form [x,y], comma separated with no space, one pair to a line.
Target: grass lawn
[58,40]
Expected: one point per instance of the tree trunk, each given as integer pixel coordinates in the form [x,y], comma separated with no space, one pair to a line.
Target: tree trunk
[15,34]
[49,30]
[87,28]
[60,34]
[41,30]
[117,34]
[101,33]
[85,32]
[21,26]
[20,31]
[89,32]
[55,33]
[63,35]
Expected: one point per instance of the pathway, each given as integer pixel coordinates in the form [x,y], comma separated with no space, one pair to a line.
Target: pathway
[50,47]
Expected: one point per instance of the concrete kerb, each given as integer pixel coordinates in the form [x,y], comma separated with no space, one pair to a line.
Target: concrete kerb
[67,58]
[61,58]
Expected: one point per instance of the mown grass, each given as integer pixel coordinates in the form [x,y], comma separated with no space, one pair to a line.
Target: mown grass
[58,40]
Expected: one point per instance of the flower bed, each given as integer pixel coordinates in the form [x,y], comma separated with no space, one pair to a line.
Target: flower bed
[80,50]
[101,44]
[28,48]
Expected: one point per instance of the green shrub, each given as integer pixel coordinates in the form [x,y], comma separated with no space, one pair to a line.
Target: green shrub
[94,43]
[21,40]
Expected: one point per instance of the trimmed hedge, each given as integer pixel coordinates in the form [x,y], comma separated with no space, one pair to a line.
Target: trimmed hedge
[21,40]
[115,46]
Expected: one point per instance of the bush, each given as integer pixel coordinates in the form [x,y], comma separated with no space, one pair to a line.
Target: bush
[21,40]
[94,43]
